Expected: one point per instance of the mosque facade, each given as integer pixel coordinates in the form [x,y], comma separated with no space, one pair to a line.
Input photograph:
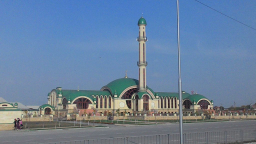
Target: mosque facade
[125,95]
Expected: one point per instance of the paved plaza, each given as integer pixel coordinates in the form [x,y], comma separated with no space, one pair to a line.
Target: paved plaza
[66,135]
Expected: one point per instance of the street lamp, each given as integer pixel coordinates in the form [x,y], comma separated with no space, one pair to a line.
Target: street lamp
[179,83]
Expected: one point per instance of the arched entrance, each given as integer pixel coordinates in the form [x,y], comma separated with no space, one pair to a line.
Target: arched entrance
[187,104]
[82,103]
[64,103]
[203,104]
[128,95]
[47,111]
[145,103]
[136,108]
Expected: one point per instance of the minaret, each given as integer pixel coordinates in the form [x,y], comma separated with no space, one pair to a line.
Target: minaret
[142,63]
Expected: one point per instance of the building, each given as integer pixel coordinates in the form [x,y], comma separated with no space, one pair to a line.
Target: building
[124,95]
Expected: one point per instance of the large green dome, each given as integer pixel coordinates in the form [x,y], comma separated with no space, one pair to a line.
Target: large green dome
[195,98]
[142,21]
[119,85]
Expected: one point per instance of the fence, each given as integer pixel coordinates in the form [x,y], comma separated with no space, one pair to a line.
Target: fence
[220,137]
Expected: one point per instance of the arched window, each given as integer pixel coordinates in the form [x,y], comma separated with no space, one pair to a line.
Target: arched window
[109,102]
[101,101]
[172,102]
[144,77]
[82,103]
[161,102]
[203,104]
[137,103]
[139,52]
[168,102]
[105,102]
[128,94]
[175,102]
[187,104]
[47,111]
[165,100]
[145,103]
[143,52]
[51,100]
[64,103]
[97,100]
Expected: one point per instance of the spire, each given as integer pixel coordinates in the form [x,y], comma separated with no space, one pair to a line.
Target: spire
[126,74]
[115,94]
[69,100]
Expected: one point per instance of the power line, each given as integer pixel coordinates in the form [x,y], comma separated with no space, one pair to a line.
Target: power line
[226,15]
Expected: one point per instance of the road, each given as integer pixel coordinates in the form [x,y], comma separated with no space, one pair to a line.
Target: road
[48,136]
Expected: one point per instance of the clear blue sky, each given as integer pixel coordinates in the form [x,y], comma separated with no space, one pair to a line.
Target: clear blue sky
[49,44]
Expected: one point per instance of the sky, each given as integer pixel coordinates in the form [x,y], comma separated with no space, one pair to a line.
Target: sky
[87,44]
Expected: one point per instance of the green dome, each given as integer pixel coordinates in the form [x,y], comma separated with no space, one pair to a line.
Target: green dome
[46,106]
[195,98]
[73,94]
[142,21]
[119,85]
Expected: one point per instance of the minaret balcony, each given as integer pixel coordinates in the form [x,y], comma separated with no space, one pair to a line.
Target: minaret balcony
[142,39]
[142,63]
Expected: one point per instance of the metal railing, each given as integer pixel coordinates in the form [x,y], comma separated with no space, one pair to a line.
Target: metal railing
[213,137]
[142,38]
[142,63]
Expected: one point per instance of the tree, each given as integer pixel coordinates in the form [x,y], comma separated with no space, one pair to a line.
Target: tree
[221,108]
[118,111]
[94,110]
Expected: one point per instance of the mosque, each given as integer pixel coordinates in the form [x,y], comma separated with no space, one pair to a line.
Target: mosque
[125,95]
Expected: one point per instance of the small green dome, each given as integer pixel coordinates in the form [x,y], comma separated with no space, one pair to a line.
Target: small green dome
[142,21]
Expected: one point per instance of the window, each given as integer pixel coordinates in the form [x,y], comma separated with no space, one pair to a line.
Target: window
[172,102]
[97,100]
[139,74]
[82,103]
[168,102]
[203,104]
[165,100]
[64,103]
[105,102]
[144,73]
[101,100]
[161,102]
[143,52]
[145,103]
[175,102]
[109,102]
[139,52]
[187,104]
[128,94]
